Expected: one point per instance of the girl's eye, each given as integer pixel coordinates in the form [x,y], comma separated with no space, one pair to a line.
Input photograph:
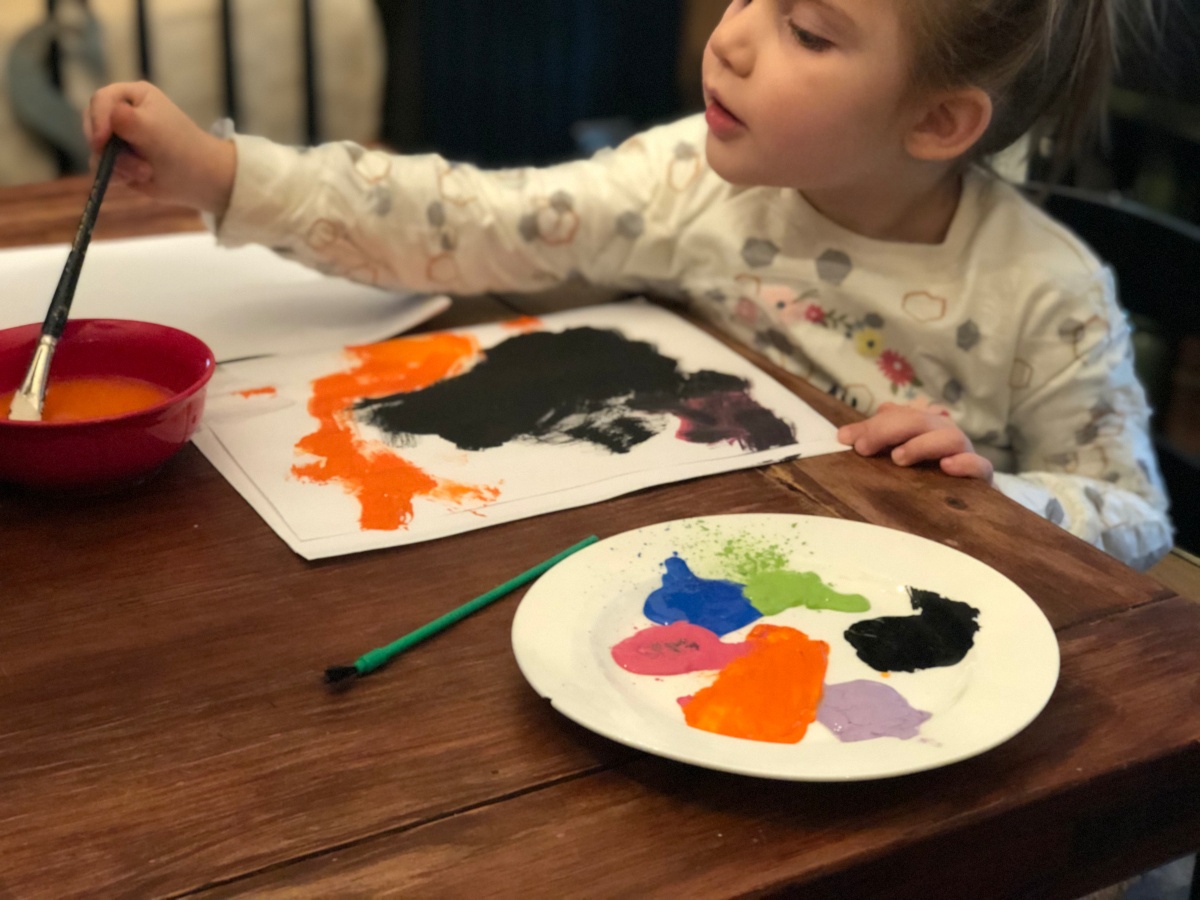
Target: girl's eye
[808,40]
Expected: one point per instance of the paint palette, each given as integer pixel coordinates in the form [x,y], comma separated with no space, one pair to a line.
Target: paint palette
[791,647]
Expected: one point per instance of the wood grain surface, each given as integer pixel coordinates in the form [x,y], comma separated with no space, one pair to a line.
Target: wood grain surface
[1000,826]
[164,729]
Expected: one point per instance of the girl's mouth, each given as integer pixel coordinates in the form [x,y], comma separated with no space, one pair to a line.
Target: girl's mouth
[721,122]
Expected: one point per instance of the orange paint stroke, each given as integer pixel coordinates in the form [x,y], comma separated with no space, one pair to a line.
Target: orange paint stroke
[383,483]
[523,323]
[267,391]
[771,694]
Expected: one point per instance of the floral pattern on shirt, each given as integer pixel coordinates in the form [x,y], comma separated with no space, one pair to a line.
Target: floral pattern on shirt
[867,334]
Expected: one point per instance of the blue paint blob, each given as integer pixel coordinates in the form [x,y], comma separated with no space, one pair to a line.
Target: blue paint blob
[719,606]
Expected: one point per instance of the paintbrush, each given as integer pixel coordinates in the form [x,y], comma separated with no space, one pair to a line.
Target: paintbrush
[27,402]
[373,659]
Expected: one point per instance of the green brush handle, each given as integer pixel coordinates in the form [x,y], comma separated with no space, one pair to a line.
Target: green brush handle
[373,659]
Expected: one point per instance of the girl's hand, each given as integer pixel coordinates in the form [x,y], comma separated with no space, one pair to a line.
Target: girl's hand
[917,434]
[172,158]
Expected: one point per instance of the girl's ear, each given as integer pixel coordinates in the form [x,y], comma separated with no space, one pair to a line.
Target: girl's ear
[949,125]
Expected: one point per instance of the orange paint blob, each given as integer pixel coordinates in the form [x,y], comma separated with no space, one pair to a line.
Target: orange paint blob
[267,391]
[523,323]
[383,483]
[770,694]
[77,399]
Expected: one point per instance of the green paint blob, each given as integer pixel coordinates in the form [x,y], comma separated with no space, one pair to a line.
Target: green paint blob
[746,558]
[773,592]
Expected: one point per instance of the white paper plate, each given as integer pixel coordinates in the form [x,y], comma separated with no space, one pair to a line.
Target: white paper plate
[573,615]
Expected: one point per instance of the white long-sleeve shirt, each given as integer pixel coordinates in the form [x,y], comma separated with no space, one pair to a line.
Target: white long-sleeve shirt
[1011,322]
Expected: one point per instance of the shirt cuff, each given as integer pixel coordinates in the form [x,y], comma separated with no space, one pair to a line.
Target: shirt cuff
[224,129]
[261,210]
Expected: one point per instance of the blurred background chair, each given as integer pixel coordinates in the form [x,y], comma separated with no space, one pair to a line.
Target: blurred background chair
[496,84]
[37,97]
[298,71]
[503,84]
[1151,151]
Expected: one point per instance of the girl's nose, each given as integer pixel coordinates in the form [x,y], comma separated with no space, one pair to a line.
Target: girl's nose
[732,40]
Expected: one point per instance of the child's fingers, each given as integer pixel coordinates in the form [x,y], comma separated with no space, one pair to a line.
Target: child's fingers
[95,123]
[848,434]
[132,170]
[924,404]
[128,121]
[968,465]
[890,429]
[110,109]
[917,435]
[99,115]
[931,445]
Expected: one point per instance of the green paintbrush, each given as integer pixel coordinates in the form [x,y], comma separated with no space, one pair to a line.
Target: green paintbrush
[373,659]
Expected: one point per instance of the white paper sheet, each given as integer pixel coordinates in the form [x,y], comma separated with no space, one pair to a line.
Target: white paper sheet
[258,411]
[241,302]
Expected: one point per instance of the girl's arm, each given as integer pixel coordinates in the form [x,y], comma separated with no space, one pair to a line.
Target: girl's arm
[1085,459]
[414,222]
[423,223]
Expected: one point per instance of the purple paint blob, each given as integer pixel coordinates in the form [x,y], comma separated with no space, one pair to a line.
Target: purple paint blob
[860,710]
[719,606]
[675,649]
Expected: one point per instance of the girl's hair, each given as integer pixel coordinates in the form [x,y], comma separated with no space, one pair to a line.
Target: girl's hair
[1046,64]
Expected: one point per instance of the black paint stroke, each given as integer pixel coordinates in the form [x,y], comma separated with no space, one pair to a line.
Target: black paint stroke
[940,635]
[580,385]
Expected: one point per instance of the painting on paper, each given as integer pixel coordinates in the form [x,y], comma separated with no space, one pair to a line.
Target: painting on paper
[430,435]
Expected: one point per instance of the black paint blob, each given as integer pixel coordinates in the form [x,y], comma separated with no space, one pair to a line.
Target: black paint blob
[580,385]
[940,635]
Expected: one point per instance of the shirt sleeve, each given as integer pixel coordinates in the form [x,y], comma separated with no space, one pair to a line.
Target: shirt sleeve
[1080,426]
[422,223]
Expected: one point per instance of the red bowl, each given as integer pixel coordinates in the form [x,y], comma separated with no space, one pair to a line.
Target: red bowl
[107,453]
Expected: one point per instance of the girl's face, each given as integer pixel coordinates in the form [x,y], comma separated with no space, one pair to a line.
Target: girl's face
[807,94]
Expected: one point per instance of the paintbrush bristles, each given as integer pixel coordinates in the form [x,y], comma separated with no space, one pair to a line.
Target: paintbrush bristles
[338,674]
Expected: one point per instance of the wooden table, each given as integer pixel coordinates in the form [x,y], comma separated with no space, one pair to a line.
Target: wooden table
[164,729]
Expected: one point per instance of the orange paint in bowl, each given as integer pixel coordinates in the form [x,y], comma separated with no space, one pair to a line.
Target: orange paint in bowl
[81,399]
[99,455]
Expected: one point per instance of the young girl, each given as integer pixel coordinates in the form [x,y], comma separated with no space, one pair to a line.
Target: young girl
[825,209]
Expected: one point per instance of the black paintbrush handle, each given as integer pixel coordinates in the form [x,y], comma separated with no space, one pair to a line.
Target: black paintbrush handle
[56,316]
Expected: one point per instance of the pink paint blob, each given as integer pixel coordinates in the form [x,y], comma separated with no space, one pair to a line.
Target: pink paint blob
[674,650]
